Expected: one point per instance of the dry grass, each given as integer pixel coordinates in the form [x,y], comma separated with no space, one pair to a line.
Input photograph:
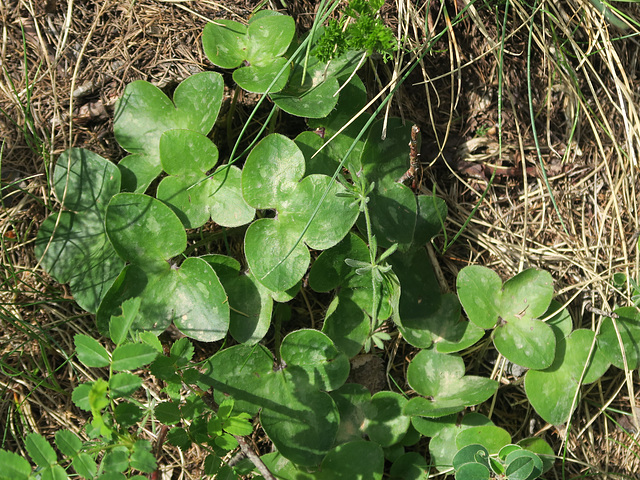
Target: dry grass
[470,95]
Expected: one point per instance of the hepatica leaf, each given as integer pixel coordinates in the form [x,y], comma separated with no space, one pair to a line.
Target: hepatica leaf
[275,247]
[295,411]
[144,113]
[261,45]
[195,197]
[313,92]
[441,379]
[73,244]
[516,306]
[148,234]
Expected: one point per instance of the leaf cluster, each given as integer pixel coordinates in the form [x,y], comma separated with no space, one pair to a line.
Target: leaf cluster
[360,29]
[122,245]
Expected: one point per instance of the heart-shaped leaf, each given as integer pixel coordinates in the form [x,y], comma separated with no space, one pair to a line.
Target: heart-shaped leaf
[195,197]
[147,233]
[72,244]
[480,289]
[552,392]
[144,113]
[261,46]
[519,336]
[299,417]
[441,379]
[309,211]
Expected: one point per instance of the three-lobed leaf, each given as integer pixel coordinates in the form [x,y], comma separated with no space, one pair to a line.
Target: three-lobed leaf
[515,307]
[144,113]
[441,379]
[310,211]
[260,45]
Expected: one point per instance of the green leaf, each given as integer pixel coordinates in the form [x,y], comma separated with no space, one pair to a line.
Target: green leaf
[410,466]
[182,351]
[473,471]
[519,336]
[141,457]
[471,453]
[84,465]
[346,323]
[523,465]
[351,400]
[72,244]
[542,449]
[190,296]
[116,459]
[392,206]
[90,352]
[132,355]
[261,45]
[143,229]
[179,437]
[357,459]
[112,476]
[127,414]
[123,384]
[144,113]
[275,247]
[193,194]
[238,426]
[479,290]
[250,303]
[68,443]
[54,472]
[39,450]
[489,436]
[168,413]
[317,95]
[14,467]
[384,422]
[298,417]
[442,447]
[425,315]
[628,326]
[446,393]
[98,395]
[226,442]
[80,396]
[552,391]
[119,325]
